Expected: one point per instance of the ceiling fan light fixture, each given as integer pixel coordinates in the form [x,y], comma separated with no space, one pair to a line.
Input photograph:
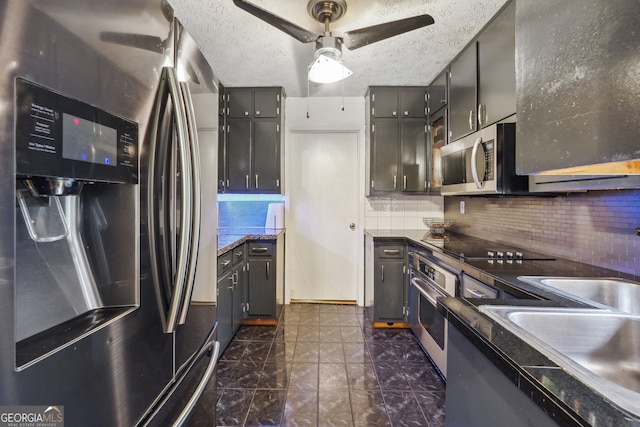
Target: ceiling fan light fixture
[327,66]
[327,70]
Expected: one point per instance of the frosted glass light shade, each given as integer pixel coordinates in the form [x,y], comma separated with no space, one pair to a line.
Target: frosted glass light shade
[327,70]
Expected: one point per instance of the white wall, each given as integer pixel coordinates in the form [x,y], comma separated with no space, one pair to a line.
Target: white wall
[206,110]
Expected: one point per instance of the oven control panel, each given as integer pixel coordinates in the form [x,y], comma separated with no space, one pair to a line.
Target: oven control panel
[432,273]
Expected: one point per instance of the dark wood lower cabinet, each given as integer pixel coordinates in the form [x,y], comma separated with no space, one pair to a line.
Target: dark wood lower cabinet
[479,394]
[250,286]
[386,281]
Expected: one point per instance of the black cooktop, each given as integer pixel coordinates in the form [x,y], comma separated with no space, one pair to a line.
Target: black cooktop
[473,248]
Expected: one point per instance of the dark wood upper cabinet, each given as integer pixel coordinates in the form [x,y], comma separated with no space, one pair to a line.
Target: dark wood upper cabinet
[397,139]
[463,93]
[497,69]
[578,86]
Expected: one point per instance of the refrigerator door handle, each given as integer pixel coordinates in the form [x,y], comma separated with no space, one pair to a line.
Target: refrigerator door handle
[193,400]
[195,199]
[186,201]
[160,272]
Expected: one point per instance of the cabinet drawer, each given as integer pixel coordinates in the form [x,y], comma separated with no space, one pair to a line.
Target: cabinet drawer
[224,263]
[472,288]
[389,251]
[238,254]
[260,249]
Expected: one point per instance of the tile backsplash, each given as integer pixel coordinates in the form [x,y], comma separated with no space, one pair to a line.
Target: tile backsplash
[401,212]
[594,227]
[240,211]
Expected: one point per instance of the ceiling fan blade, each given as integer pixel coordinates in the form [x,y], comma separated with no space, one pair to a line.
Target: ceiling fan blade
[365,36]
[290,28]
[140,41]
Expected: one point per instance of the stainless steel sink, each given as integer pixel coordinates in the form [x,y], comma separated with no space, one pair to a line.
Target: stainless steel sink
[599,347]
[613,293]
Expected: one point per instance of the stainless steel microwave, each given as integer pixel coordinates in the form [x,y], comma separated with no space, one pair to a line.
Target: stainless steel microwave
[483,163]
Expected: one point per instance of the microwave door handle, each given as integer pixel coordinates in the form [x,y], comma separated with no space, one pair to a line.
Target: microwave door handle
[185,203]
[194,157]
[474,168]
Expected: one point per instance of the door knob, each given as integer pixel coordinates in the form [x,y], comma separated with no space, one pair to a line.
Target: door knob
[352,226]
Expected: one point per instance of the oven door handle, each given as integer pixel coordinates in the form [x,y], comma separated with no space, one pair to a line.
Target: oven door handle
[416,283]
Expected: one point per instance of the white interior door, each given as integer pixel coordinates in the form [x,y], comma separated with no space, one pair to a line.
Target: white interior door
[322,246]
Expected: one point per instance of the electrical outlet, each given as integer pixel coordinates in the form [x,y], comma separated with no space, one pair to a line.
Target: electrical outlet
[462,207]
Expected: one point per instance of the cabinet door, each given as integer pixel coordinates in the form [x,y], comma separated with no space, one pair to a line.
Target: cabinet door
[238,154]
[437,139]
[389,291]
[413,144]
[266,151]
[462,93]
[239,102]
[384,102]
[578,100]
[222,155]
[438,92]
[267,103]
[384,155]
[238,298]
[413,102]
[262,287]
[224,306]
[497,69]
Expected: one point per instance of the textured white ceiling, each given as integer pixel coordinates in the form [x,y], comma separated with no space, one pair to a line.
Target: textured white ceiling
[245,51]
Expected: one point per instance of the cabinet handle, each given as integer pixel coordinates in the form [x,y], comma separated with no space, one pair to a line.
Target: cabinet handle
[392,251]
[246,113]
[404,182]
[382,273]
[268,268]
[226,263]
[406,113]
[394,182]
[443,101]
[482,115]
[471,120]
[257,112]
[246,181]
[476,293]
[239,254]
[394,113]
[259,249]
[257,186]
[232,282]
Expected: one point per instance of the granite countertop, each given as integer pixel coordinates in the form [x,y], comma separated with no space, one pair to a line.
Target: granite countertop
[229,238]
[504,275]
[565,398]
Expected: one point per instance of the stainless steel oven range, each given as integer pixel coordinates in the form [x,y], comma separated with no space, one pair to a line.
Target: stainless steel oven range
[428,280]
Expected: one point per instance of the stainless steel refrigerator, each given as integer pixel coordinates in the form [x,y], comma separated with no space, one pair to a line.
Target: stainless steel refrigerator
[107,279]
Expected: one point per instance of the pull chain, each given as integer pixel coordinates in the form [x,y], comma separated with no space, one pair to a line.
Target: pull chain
[308,115]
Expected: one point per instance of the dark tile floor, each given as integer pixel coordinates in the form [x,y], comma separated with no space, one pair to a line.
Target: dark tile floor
[325,365]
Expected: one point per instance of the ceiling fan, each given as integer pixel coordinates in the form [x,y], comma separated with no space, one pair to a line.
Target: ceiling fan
[328,49]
